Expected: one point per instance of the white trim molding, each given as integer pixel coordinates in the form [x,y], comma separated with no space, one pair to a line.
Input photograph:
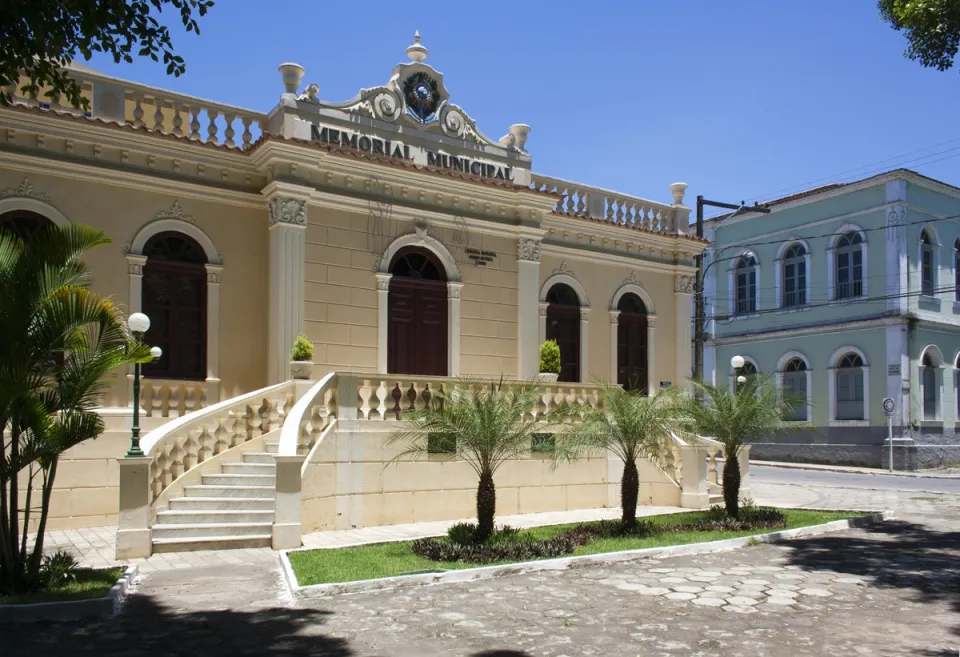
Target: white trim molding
[37,205]
[832,388]
[785,359]
[453,327]
[832,263]
[778,273]
[732,285]
[421,238]
[383,320]
[584,344]
[937,358]
[162,223]
[615,346]
[631,287]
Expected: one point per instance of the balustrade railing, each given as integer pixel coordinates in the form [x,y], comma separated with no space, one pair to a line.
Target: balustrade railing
[582,200]
[310,417]
[162,398]
[113,99]
[183,443]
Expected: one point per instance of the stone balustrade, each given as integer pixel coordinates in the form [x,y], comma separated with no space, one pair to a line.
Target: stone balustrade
[310,417]
[597,203]
[122,101]
[163,398]
[184,443]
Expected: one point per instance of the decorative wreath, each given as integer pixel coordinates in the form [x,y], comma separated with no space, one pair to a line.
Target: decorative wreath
[421,95]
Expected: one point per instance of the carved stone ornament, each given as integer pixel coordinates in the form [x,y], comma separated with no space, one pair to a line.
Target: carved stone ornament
[453,291]
[562,269]
[311,94]
[213,277]
[683,284]
[383,282]
[290,211]
[175,212]
[896,215]
[631,279]
[584,314]
[24,190]
[543,309]
[135,270]
[529,249]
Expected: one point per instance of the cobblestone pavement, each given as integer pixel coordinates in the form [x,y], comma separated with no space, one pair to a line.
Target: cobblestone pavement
[890,589]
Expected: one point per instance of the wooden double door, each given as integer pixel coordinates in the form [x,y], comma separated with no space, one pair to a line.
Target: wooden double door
[563,326]
[417,327]
[632,356]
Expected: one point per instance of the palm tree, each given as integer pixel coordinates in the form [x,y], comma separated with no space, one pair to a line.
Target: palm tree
[630,424]
[480,422]
[57,342]
[732,417]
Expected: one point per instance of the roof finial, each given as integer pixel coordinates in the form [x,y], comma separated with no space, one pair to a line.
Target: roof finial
[416,52]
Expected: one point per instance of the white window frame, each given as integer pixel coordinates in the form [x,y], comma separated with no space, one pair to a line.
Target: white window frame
[732,286]
[747,360]
[781,371]
[937,357]
[935,264]
[832,270]
[832,388]
[780,275]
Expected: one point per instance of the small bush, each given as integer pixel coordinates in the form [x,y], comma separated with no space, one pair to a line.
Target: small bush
[462,533]
[750,518]
[302,349]
[58,569]
[616,529]
[441,550]
[465,533]
[550,357]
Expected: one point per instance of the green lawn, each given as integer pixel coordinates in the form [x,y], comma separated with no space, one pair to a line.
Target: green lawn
[89,584]
[390,559]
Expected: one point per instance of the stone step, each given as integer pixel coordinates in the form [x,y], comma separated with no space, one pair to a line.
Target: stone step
[212,543]
[208,529]
[222,503]
[208,490]
[272,448]
[258,457]
[215,516]
[238,467]
[238,480]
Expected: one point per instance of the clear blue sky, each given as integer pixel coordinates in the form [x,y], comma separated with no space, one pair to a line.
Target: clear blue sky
[740,99]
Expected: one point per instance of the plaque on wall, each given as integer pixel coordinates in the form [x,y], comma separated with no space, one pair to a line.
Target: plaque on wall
[893,370]
[480,257]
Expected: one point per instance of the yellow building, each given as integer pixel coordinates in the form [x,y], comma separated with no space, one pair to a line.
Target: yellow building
[399,238]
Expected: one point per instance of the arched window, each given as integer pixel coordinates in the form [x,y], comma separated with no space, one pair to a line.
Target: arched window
[930,383]
[748,369]
[794,276]
[956,269]
[563,325]
[928,276]
[795,389]
[175,300]
[746,282]
[417,314]
[849,266]
[632,356]
[23,223]
[849,391]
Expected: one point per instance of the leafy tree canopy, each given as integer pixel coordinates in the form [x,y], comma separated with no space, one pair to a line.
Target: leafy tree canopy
[932,28]
[39,37]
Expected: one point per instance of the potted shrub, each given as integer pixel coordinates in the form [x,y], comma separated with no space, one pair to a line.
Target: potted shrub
[301,363]
[549,361]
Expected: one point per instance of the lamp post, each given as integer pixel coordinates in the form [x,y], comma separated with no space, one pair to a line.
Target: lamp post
[736,363]
[139,324]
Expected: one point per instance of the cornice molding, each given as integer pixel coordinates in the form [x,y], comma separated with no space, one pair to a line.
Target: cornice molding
[618,260]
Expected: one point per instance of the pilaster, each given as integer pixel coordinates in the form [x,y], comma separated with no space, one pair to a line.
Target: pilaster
[453,327]
[134,537]
[614,328]
[528,288]
[213,332]
[584,345]
[287,229]
[287,528]
[896,247]
[683,288]
[383,319]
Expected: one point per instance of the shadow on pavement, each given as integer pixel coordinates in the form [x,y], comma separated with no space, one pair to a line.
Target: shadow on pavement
[147,628]
[501,653]
[893,555]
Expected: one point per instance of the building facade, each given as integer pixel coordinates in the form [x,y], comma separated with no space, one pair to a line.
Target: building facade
[846,294]
[387,228]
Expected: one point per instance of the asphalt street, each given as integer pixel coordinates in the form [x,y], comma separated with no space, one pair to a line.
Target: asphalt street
[767,474]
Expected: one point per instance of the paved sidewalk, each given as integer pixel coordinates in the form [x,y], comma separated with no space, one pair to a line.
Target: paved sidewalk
[949,473]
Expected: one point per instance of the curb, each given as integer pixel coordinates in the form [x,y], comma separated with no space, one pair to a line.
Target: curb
[489,572]
[106,607]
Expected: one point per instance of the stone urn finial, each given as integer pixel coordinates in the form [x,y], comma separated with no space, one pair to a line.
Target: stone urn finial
[416,52]
[520,131]
[292,74]
[678,189]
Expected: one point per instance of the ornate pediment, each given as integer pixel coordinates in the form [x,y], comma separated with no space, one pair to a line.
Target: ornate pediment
[415,96]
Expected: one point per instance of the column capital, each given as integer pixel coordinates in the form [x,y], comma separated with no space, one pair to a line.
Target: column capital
[543,308]
[135,264]
[213,273]
[287,212]
[614,316]
[584,314]
[652,321]
[683,284]
[383,281]
[528,249]
[453,289]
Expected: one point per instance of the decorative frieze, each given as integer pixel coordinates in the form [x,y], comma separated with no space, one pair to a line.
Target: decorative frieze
[562,269]
[528,249]
[175,212]
[683,284]
[290,211]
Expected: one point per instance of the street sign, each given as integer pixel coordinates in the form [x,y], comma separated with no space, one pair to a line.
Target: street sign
[888,405]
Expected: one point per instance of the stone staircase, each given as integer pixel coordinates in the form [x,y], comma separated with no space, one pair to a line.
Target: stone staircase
[227,510]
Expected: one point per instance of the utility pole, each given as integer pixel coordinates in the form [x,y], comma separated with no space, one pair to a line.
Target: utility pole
[699,332]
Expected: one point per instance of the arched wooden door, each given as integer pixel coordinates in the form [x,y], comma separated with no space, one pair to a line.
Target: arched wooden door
[417,314]
[175,299]
[563,326]
[632,355]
